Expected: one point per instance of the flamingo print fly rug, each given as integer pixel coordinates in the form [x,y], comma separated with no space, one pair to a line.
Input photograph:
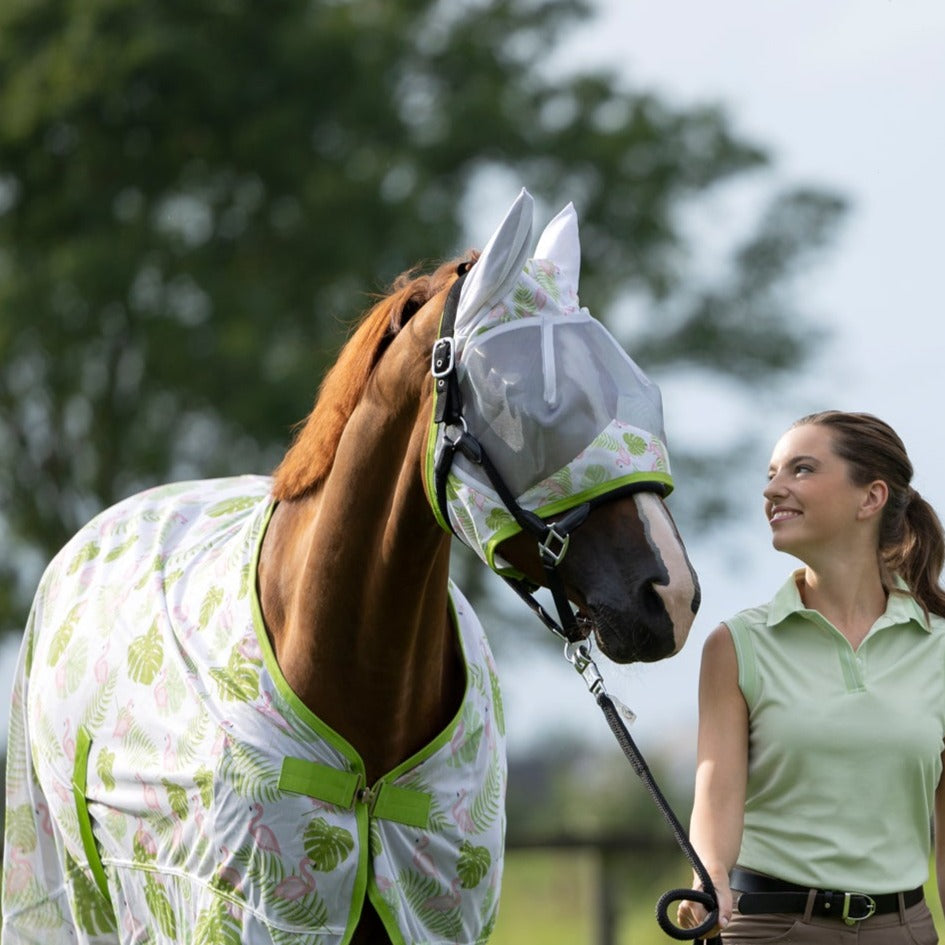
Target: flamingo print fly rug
[166,786]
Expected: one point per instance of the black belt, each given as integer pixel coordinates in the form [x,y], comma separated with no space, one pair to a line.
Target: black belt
[765,894]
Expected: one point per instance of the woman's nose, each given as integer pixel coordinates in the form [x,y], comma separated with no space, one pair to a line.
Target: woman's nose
[773,488]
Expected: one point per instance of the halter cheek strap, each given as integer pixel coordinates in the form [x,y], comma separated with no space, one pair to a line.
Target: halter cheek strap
[552,538]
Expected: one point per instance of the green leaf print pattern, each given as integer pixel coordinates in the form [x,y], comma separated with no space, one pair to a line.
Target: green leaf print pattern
[211,602]
[145,655]
[63,635]
[326,846]
[487,805]
[176,798]
[88,552]
[436,906]
[547,277]
[93,912]
[104,767]
[240,679]
[595,475]
[635,444]
[473,864]
[121,549]
[20,827]
[217,926]
[160,906]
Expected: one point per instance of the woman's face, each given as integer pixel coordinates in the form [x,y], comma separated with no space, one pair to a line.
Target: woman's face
[810,501]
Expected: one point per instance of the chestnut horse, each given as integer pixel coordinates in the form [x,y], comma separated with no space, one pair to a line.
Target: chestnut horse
[314,610]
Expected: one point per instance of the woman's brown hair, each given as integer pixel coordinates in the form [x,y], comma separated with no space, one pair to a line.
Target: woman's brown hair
[911,539]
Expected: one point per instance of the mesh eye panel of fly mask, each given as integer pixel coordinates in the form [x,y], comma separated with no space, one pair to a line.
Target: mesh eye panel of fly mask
[563,413]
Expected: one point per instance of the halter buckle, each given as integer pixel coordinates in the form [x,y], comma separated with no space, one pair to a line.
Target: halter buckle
[551,555]
[443,359]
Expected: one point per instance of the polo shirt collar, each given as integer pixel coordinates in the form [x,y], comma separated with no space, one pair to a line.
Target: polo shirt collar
[900,608]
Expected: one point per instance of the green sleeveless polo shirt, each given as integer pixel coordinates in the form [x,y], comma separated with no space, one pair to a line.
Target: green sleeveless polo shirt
[844,746]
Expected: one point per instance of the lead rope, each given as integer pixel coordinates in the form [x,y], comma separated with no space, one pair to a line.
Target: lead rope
[577,653]
[706,896]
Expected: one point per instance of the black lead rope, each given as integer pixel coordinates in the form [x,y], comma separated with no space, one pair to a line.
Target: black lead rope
[705,896]
[577,653]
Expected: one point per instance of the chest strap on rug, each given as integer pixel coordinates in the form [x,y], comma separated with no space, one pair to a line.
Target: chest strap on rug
[344,789]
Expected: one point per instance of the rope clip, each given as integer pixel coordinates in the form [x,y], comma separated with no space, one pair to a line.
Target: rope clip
[578,654]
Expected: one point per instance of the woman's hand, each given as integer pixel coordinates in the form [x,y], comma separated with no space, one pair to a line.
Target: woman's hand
[690,914]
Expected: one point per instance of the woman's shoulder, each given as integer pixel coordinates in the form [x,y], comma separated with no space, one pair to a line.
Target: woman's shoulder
[751,618]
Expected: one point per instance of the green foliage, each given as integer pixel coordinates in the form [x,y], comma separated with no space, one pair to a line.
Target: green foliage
[196,196]
[325,845]
[474,863]
[145,655]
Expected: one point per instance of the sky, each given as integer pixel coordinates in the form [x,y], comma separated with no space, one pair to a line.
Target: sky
[846,94]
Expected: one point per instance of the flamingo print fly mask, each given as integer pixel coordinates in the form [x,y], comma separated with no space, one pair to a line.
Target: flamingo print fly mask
[562,411]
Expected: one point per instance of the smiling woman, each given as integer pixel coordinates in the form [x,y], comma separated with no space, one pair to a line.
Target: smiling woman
[836,683]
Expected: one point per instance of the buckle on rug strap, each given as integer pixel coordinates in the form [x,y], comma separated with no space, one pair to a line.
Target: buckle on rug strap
[868,902]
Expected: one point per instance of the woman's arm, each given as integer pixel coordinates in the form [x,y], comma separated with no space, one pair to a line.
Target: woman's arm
[721,772]
[940,835]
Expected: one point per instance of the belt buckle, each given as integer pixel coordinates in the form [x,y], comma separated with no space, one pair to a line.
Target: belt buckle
[869,902]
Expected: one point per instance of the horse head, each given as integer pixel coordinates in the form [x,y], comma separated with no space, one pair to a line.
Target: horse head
[540,417]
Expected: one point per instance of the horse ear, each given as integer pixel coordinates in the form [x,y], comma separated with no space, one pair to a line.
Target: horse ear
[560,244]
[501,262]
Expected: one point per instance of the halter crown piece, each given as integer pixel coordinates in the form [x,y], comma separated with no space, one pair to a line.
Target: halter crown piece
[538,409]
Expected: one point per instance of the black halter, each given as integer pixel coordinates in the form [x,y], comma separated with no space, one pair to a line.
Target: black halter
[552,538]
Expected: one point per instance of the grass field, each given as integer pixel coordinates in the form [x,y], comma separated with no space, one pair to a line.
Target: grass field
[552,898]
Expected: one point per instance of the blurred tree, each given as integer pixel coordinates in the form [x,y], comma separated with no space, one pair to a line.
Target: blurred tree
[195,194]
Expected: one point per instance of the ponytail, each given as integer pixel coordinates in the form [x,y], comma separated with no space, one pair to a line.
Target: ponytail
[919,553]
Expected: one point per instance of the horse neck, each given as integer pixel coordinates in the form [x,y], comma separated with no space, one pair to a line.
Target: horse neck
[353,581]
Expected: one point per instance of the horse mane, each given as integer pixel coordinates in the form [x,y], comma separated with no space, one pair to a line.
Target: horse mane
[312,454]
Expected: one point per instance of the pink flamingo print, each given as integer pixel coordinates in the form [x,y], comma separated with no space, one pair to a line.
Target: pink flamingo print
[229,874]
[422,860]
[456,742]
[263,835]
[170,753]
[145,841]
[45,821]
[250,649]
[68,742]
[266,708]
[460,812]
[295,887]
[150,794]
[101,666]
[446,901]
[125,718]
[19,872]
[160,691]
[60,678]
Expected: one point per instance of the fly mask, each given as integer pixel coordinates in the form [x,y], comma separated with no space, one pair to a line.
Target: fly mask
[539,413]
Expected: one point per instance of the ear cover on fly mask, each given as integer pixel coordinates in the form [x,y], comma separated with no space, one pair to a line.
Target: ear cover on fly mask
[563,413]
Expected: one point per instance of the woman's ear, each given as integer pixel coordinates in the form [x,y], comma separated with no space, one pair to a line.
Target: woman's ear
[874,499]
